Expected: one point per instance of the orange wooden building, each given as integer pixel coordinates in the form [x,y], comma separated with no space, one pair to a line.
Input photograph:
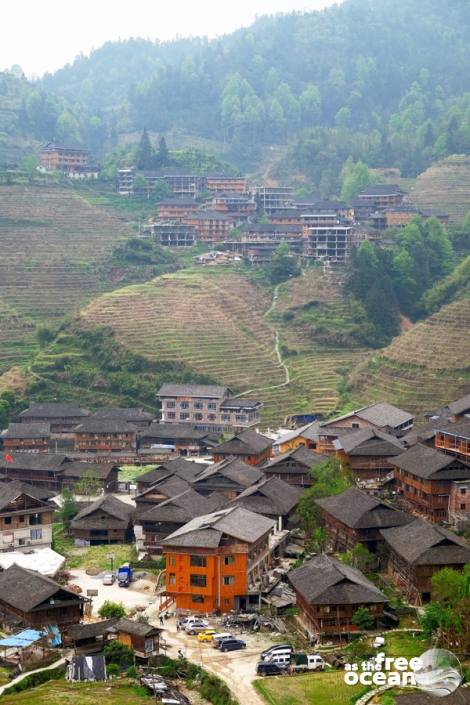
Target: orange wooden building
[454,439]
[251,447]
[215,562]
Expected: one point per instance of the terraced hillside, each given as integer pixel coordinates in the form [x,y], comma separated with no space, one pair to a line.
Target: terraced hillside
[214,322]
[17,337]
[424,367]
[445,186]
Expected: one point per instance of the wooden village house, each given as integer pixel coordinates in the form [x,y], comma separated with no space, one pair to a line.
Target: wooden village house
[294,466]
[106,521]
[62,417]
[328,593]
[103,435]
[417,551]
[251,447]
[26,437]
[25,519]
[367,452]
[140,636]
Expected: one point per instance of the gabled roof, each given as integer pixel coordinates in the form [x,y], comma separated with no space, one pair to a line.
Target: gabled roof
[359,510]
[422,543]
[430,463]
[369,441]
[241,403]
[460,406]
[301,455]
[324,580]
[132,626]
[244,443]
[381,414]
[270,496]
[130,414]
[54,410]
[381,190]
[27,430]
[114,508]
[203,391]
[91,630]
[77,469]
[207,530]
[461,429]
[232,469]
[34,461]
[181,508]
[41,493]
[181,431]
[96,424]
[168,486]
[9,491]
[25,589]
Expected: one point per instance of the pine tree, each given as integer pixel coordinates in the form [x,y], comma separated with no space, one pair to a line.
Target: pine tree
[163,157]
[144,152]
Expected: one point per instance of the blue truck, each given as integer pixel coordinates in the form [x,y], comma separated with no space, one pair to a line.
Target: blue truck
[124,575]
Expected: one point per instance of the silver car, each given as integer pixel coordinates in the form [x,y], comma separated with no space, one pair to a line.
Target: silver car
[109,579]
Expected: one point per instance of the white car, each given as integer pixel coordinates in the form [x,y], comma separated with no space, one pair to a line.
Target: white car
[109,578]
[191,620]
[378,642]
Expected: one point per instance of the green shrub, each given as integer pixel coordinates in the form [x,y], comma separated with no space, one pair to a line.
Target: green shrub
[36,679]
[113,669]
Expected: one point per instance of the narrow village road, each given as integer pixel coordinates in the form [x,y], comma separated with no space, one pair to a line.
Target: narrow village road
[277,351]
[56,664]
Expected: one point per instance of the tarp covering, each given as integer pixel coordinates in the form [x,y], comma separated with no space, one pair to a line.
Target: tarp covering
[22,639]
[87,668]
[42,560]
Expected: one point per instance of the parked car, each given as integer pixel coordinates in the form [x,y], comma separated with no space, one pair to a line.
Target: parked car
[307,662]
[378,642]
[109,578]
[276,648]
[196,627]
[219,636]
[192,618]
[206,635]
[232,644]
[265,668]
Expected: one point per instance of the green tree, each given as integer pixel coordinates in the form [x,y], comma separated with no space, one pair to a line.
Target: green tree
[144,155]
[163,156]
[69,508]
[110,609]
[329,478]
[355,176]
[359,557]
[89,484]
[283,265]
[363,619]
[30,165]
[310,105]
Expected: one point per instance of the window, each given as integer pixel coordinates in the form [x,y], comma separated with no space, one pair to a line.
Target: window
[229,560]
[354,425]
[240,417]
[229,579]
[170,405]
[197,598]
[21,542]
[36,534]
[212,417]
[197,580]
[463,490]
[225,417]
[172,560]
[184,405]
[21,518]
[184,416]
[211,406]
[198,405]
[171,415]
[7,520]
[172,579]
[198,561]
[198,417]
[463,506]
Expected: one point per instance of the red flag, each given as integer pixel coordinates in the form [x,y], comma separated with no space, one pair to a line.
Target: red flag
[8,458]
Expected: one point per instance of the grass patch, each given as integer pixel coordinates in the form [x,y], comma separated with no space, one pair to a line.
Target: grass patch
[129,473]
[319,688]
[405,644]
[96,556]
[122,692]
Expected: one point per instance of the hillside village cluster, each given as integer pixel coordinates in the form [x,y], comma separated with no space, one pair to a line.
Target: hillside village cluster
[219,504]
[223,210]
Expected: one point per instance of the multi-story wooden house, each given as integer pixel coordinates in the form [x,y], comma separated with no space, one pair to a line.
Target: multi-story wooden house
[106,521]
[417,551]
[61,416]
[381,196]
[328,593]
[273,198]
[251,447]
[210,226]
[459,504]
[271,497]
[176,208]
[207,407]
[239,206]
[368,452]
[213,561]
[187,470]
[423,478]
[216,183]
[229,477]
[136,416]
[68,160]
[460,408]
[52,471]
[102,435]
[26,437]
[171,233]
[182,185]
[25,519]
[455,439]
[294,466]
[354,516]
[257,243]
[180,438]
[30,599]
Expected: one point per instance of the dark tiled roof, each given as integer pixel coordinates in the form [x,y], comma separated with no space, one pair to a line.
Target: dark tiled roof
[32,490]
[461,429]
[203,391]
[27,430]
[240,404]
[233,469]
[270,228]
[123,414]
[381,414]
[78,469]
[9,491]
[209,215]
[25,589]
[245,443]
[421,543]
[88,631]
[179,431]
[270,496]
[115,511]
[460,406]
[360,510]
[426,462]
[207,530]
[302,456]
[381,190]
[181,508]
[54,410]
[369,441]
[34,461]
[131,626]
[168,486]
[324,580]
[96,424]
[178,202]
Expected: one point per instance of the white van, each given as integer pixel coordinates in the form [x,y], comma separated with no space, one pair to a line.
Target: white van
[280,658]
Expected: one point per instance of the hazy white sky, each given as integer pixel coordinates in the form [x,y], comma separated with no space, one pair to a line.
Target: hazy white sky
[43,35]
